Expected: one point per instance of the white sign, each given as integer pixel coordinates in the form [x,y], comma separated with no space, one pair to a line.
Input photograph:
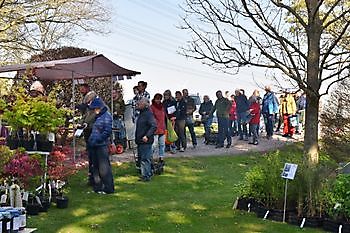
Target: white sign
[78,132]
[289,171]
[171,109]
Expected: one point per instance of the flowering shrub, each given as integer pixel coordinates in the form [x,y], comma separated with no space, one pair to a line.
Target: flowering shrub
[60,166]
[23,167]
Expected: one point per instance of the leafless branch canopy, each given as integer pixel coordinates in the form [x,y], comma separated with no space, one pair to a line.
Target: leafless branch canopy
[229,34]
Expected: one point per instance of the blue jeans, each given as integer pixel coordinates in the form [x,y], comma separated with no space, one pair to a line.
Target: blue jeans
[254,128]
[242,124]
[101,169]
[207,125]
[269,122]
[159,140]
[223,131]
[144,151]
[233,127]
[190,126]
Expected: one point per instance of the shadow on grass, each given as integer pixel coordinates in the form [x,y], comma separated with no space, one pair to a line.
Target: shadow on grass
[193,195]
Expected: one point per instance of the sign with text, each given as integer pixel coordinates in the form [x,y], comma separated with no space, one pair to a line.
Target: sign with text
[289,171]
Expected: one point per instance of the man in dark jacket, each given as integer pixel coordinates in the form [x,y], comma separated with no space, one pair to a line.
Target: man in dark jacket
[242,109]
[222,107]
[180,122]
[98,148]
[190,108]
[144,137]
[207,119]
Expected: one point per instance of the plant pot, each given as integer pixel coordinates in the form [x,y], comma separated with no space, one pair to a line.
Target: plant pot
[44,145]
[277,215]
[62,202]
[12,143]
[293,219]
[45,205]
[330,225]
[261,211]
[313,222]
[346,227]
[33,208]
[27,144]
[246,203]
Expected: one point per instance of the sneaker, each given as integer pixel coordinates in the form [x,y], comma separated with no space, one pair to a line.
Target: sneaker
[256,143]
[219,146]
[182,150]
[251,143]
[194,146]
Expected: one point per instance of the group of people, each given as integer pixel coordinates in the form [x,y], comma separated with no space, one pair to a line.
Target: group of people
[237,115]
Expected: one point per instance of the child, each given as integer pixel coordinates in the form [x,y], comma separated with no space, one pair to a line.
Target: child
[255,120]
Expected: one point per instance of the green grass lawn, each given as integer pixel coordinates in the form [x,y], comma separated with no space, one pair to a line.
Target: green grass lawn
[193,195]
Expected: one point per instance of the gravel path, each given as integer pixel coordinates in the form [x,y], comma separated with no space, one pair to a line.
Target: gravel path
[238,147]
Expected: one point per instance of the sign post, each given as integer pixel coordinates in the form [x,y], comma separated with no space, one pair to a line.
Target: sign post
[288,173]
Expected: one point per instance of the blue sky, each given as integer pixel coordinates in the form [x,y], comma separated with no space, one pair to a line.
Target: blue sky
[144,37]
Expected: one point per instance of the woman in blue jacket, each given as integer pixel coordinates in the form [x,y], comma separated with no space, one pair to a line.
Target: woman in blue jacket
[98,148]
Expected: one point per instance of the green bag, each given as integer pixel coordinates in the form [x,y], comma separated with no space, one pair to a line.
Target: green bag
[171,136]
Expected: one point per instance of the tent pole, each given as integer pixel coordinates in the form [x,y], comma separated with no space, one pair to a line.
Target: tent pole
[112,110]
[73,100]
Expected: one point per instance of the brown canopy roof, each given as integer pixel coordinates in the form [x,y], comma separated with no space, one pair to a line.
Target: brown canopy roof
[78,68]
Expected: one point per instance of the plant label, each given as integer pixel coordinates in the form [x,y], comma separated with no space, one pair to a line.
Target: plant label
[23,218]
[16,223]
[340,228]
[302,223]
[266,214]
[235,204]
[0,226]
[38,200]
[25,196]
[289,171]
[3,199]
[78,132]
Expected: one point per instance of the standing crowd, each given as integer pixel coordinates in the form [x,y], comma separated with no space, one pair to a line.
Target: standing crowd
[154,119]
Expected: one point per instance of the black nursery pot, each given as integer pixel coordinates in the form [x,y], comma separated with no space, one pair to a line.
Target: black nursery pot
[246,203]
[45,205]
[27,144]
[62,202]
[44,145]
[313,222]
[12,143]
[330,225]
[33,208]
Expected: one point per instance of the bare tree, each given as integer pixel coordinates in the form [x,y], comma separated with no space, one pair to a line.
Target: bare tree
[30,27]
[303,39]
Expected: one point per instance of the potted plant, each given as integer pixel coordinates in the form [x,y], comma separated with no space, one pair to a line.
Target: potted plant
[60,167]
[337,204]
[34,116]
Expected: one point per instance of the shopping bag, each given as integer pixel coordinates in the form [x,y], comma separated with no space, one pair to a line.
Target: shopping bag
[171,134]
[293,120]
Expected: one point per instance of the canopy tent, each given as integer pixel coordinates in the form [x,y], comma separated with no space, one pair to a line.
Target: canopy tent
[87,67]
[75,69]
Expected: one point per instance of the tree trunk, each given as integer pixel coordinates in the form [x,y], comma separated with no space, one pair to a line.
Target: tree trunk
[311,129]
[313,30]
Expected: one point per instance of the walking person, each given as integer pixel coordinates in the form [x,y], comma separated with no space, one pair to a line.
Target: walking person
[233,129]
[98,148]
[86,122]
[222,107]
[207,119]
[159,115]
[144,137]
[180,122]
[242,109]
[190,108]
[169,105]
[255,120]
[288,111]
[269,109]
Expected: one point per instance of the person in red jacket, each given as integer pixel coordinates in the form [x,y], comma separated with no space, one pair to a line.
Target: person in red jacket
[159,114]
[255,119]
[233,118]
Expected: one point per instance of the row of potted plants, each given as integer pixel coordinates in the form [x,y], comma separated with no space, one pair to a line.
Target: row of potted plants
[317,197]
[28,172]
